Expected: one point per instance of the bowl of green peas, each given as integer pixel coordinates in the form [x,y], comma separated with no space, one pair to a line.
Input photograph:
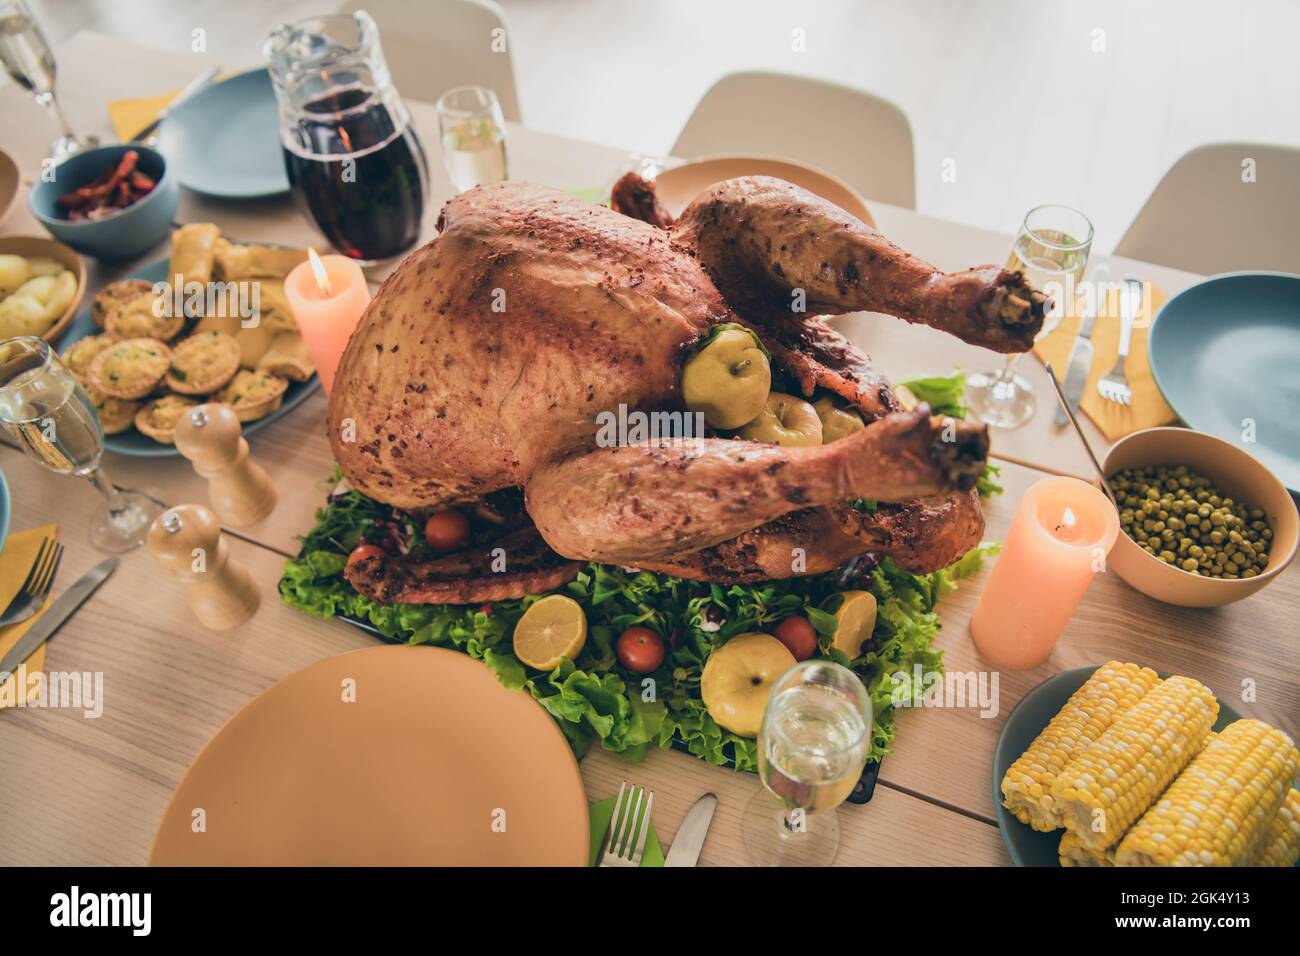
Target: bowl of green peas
[1202,523]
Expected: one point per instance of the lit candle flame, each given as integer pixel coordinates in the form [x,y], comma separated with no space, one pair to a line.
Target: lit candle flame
[1065,531]
[318,270]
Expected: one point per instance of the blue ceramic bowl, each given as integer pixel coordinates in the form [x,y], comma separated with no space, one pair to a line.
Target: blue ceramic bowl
[124,234]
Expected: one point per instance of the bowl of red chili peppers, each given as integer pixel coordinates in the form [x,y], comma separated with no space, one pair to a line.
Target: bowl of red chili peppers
[114,202]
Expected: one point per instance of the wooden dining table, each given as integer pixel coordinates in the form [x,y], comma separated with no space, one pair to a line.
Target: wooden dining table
[91,791]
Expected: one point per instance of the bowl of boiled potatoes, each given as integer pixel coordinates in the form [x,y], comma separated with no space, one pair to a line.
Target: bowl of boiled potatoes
[41,285]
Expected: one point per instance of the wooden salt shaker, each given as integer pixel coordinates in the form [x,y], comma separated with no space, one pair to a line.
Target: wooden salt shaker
[187,541]
[240,490]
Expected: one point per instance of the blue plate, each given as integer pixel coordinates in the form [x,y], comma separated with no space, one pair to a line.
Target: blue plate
[4,511]
[1027,846]
[225,140]
[133,443]
[1225,352]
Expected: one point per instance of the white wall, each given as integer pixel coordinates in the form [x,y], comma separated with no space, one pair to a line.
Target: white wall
[1012,90]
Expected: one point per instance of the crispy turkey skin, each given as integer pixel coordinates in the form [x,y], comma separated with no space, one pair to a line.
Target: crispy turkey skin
[499,341]
[484,360]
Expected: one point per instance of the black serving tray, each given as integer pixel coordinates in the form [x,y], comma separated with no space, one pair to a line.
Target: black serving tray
[862,791]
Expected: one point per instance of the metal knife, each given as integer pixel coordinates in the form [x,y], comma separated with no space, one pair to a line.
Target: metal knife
[690,835]
[193,86]
[1076,370]
[59,611]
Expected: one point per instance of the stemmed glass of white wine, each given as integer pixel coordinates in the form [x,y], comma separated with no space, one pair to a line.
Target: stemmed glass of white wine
[811,751]
[473,136]
[1051,249]
[28,60]
[55,422]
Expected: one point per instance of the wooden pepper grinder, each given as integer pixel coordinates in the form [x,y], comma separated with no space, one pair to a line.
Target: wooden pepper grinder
[240,490]
[187,541]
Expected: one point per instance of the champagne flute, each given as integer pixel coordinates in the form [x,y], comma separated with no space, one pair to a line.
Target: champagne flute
[55,422]
[811,751]
[30,63]
[473,136]
[1051,249]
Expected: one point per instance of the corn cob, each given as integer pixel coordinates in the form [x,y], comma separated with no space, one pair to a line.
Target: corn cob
[1106,788]
[1073,853]
[1218,811]
[1027,786]
[1281,844]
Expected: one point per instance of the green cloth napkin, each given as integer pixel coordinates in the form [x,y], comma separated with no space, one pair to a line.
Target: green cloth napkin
[600,814]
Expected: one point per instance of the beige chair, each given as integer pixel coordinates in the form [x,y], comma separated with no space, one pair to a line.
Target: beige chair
[862,139]
[434,45]
[1205,217]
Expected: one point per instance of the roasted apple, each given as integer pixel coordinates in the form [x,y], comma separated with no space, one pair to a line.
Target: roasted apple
[738,677]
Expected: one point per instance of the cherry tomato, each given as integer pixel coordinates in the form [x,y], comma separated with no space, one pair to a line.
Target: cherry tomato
[447,530]
[798,636]
[363,551]
[640,650]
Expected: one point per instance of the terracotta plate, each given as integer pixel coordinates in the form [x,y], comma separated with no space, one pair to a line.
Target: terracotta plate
[34,246]
[676,187]
[416,771]
[10,180]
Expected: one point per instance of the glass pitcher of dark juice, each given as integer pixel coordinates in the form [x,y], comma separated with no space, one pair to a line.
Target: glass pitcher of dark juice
[355,164]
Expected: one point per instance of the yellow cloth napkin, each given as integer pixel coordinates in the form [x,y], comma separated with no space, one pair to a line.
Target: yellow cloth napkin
[15,562]
[1148,408]
[130,116]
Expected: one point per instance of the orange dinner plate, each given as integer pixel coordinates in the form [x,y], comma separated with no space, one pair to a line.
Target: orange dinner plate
[385,756]
[676,187]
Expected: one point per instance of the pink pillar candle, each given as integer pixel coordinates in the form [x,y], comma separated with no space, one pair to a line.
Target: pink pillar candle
[1058,540]
[328,311]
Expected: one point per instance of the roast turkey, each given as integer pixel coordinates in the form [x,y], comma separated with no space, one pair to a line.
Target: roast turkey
[484,361]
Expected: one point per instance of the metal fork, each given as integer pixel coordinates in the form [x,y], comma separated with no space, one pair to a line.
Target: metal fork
[32,594]
[628,827]
[1114,386]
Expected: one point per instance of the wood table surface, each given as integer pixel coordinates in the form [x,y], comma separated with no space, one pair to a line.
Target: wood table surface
[91,791]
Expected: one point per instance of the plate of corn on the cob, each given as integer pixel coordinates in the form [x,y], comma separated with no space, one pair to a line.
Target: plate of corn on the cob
[1118,765]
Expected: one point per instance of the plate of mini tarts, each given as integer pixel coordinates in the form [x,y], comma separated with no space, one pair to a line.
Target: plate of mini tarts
[122,438]
[138,318]
[115,294]
[203,363]
[158,418]
[131,368]
[253,395]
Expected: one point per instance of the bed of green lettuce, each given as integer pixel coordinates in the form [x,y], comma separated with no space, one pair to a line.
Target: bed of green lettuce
[593,698]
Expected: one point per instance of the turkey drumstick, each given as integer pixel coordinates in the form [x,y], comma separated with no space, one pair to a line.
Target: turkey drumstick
[631,503]
[761,239]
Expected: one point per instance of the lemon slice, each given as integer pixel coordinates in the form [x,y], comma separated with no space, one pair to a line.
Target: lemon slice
[553,628]
[855,619]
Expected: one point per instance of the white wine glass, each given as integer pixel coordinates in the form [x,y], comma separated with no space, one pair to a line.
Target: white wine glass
[811,751]
[28,60]
[473,136]
[55,422]
[1051,249]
